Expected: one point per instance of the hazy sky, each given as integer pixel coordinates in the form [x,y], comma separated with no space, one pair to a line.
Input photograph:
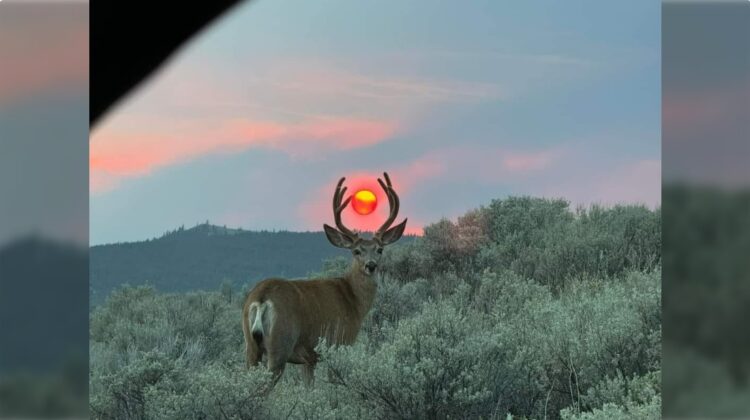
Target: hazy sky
[255,120]
[707,101]
[44,121]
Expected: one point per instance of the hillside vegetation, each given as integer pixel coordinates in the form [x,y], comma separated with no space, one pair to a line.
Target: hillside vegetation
[706,302]
[524,308]
[203,257]
[42,301]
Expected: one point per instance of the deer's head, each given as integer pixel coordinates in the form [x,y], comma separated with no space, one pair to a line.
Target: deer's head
[366,252]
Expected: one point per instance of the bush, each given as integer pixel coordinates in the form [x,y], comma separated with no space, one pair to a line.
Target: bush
[522,308]
[216,391]
[647,411]
[431,366]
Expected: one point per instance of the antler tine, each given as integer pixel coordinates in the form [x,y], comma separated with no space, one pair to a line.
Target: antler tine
[393,202]
[387,180]
[338,207]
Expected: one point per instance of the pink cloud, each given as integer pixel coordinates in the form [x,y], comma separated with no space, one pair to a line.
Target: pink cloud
[42,48]
[101,181]
[465,163]
[487,163]
[417,230]
[528,161]
[637,182]
[309,76]
[684,113]
[317,209]
[301,107]
[309,137]
[115,155]
[303,87]
[414,173]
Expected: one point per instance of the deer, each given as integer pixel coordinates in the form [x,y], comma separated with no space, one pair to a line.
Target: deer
[285,319]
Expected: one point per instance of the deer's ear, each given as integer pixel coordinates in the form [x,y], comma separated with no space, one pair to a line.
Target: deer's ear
[393,234]
[337,238]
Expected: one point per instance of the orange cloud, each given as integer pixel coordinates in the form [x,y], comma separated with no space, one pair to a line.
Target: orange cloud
[115,155]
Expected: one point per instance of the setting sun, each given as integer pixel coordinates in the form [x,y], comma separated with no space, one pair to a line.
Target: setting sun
[364,202]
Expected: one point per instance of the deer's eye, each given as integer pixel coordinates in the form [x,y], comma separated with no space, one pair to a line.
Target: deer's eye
[380,250]
[357,252]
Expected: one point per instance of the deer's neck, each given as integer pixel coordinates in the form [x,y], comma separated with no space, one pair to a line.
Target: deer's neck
[364,288]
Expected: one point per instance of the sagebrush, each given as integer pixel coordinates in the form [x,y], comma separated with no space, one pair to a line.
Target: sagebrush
[522,308]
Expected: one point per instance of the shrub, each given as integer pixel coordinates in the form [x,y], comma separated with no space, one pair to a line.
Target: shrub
[522,308]
[431,367]
[215,391]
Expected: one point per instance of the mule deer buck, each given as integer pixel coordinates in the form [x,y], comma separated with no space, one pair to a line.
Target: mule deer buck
[285,318]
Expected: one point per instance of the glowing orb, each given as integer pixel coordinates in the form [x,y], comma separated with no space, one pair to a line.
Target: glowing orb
[364,202]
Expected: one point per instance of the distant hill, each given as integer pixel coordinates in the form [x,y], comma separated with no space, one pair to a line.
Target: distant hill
[202,257]
[43,305]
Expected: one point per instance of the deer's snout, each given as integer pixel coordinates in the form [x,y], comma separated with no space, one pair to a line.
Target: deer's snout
[371,266]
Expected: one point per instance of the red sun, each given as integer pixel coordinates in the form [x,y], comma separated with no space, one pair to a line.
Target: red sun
[364,202]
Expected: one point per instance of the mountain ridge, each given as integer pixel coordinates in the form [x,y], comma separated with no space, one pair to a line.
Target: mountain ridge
[43,300]
[206,255]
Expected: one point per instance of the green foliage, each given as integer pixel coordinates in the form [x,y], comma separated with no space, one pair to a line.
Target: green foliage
[522,309]
[706,265]
[212,392]
[429,366]
[43,306]
[140,339]
[202,257]
[50,395]
[610,411]
[620,391]
[540,239]
[332,267]
[549,244]
[700,384]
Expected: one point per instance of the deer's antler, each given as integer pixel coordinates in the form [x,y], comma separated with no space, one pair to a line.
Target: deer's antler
[338,207]
[392,202]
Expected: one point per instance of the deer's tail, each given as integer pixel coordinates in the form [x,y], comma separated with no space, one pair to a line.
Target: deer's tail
[257,321]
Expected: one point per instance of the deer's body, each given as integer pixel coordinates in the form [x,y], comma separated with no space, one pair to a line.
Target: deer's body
[295,314]
[284,319]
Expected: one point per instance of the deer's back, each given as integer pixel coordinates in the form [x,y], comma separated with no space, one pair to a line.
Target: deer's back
[315,308]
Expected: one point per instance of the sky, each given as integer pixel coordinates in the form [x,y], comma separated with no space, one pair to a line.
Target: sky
[706,101]
[44,122]
[253,122]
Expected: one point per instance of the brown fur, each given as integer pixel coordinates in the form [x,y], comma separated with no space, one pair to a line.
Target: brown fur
[306,310]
